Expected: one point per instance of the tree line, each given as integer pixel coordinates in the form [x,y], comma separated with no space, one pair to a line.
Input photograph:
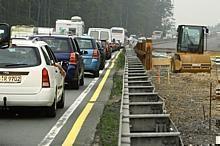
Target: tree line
[138,16]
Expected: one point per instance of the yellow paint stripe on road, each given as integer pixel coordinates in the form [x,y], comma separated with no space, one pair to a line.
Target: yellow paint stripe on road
[71,137]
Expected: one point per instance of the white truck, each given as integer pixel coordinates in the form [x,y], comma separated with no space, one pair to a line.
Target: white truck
[18,31]
[45,30]
[157,35]
[75,26]
[119,34]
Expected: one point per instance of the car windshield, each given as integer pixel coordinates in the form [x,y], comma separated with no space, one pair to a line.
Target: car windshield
[191,38]
[19,57]
[57,44]
[84,43]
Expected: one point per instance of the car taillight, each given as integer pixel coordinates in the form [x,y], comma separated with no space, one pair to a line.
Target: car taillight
[73,59]
[95,54]
[45,79]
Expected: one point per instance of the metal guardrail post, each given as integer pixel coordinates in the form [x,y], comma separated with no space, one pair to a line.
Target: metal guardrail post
[148,54]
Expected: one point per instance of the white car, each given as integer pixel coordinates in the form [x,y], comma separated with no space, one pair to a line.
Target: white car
[30,76]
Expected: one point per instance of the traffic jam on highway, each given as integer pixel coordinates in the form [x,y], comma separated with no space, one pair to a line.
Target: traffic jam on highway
[70,75]
[36,69]
[52,72]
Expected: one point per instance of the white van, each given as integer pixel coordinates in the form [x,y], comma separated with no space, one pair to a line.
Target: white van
[157,35]
[100,33]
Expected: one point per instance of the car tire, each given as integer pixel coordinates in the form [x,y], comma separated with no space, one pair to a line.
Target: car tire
[61,103]
[82,80]
[102,66]
[96,73]
[51,111]
[110,56]
[70,85]
[76,82]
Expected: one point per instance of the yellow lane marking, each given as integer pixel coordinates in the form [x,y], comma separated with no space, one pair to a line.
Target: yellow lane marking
[71,137]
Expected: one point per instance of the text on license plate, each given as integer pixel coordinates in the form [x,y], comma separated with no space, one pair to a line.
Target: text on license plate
[10,79]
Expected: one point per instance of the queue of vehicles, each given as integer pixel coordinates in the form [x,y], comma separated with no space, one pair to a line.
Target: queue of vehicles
[34,69]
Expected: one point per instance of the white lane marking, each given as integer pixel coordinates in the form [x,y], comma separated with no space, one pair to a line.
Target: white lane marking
[48,139]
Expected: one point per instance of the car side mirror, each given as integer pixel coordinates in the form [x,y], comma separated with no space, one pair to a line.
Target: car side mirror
[5,35]
[207,31]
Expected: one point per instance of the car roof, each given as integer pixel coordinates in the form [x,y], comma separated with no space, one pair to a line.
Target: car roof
[54,35]
[28,43]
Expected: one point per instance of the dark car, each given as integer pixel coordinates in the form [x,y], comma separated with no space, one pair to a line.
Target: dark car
[92,56]
[102,55]
[107,48]
[68,53]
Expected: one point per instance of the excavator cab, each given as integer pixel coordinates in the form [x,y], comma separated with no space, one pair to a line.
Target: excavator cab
[190,55]
[5,35]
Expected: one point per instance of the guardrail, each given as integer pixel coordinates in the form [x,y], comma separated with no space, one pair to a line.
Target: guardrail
[143,118]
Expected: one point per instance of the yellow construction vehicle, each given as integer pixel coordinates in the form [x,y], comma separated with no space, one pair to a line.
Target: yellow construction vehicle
[190,56]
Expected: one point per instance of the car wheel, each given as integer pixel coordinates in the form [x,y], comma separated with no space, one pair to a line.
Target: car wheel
[96,73]
[51,111]
[110,56]
[76,82]
[82,80]
[102,66]
[70,85]
[60,104]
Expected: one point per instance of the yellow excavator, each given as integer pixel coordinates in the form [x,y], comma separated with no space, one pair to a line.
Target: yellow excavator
[190,56]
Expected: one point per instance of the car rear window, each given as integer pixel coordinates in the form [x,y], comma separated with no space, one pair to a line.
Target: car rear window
[58,44]
[18,57]
[84,43]
[94,34]
[104,35]
[117,31]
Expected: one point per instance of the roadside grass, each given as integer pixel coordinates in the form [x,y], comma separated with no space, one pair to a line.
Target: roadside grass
[120,61]
[107,129]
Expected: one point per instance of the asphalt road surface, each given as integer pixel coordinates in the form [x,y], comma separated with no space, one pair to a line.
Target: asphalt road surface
[31,127]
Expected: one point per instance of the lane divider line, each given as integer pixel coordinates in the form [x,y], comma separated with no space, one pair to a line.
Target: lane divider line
[71,137]
[49,138]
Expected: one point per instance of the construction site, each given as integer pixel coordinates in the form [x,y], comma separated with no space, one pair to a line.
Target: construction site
[189,83]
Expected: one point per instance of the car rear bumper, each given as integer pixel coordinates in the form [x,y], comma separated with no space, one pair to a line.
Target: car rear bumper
[71,73]
[44,98]
[93,66]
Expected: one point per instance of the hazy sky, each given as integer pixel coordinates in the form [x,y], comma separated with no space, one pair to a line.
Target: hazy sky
[206,12]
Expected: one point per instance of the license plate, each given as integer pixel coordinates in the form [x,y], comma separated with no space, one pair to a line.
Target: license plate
[10,79]
[196,65]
